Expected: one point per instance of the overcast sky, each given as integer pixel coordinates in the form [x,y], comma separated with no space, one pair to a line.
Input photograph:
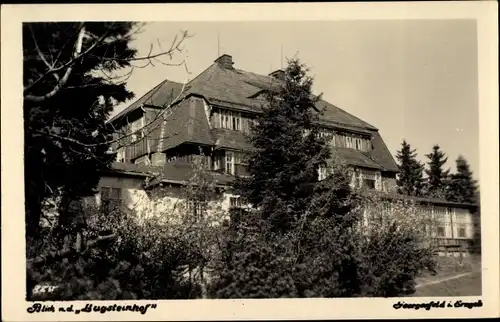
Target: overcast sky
[415,80]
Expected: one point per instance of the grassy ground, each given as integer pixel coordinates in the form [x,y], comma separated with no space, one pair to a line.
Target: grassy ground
[469,285]
[447,267]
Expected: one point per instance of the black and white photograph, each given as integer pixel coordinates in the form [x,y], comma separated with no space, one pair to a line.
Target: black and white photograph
[204,159]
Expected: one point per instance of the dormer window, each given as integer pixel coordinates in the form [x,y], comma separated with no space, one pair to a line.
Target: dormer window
[351,141]
[236,122]
[231,120]
[348,142]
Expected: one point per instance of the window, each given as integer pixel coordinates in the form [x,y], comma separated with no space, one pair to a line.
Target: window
[440,231]
[385,186]
[111,199]
[135,129]
[195,210]
[348,142]
[231,120]
[351,141]
[461,232]
[369,183]
[370,179]
[236,122]
[235,202]
[229,163]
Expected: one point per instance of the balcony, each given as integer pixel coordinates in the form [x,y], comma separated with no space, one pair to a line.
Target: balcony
[139,148]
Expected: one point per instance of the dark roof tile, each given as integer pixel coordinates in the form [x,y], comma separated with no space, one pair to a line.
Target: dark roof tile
[234,88]
[160,96]
[187,123]
[355,157]
[230,139]
[382,155]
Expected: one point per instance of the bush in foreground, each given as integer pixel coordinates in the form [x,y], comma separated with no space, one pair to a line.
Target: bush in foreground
[142,262]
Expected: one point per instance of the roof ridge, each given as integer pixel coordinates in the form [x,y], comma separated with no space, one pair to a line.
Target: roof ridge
[320,96]
[201,73]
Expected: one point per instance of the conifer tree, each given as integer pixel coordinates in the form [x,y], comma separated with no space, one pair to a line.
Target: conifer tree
[283,166]
[437,177]
[302,225]
[462,186]
[410,180]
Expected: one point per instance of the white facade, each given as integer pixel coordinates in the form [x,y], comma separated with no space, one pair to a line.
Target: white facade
[166,202]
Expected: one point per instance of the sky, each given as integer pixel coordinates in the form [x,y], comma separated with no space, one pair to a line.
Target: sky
[415,80]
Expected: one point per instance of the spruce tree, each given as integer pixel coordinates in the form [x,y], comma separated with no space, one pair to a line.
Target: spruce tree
[462,186]
[410,180]
[283,166]
[437,177]
[302,225]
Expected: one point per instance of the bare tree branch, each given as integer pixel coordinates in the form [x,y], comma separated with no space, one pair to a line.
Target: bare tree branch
[73,60]
[62,81]
[40,54]
[167,109]
[83,34]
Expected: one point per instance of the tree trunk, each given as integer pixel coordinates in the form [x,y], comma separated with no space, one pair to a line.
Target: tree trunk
[203,283]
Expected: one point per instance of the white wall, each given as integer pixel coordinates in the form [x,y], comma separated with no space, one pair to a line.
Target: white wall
[166,201]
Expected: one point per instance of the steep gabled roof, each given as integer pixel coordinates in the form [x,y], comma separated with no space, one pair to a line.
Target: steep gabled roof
[381,154]
[160,96]
[230,139]
[237,88]
[355,157]
[188,123]
[222,85]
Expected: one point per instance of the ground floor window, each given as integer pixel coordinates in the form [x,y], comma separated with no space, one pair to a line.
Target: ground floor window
[111,199]
[462,233]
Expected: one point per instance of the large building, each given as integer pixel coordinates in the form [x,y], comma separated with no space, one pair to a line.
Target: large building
[208,119]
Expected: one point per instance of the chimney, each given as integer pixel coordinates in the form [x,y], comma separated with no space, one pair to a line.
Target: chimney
[225,61]
[278,74]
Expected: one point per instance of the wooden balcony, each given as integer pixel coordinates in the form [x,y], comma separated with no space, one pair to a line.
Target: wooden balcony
[139,148]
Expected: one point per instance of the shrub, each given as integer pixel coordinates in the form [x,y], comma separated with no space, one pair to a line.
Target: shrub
[141,262]
[251,267]
[394,246]
[389,263]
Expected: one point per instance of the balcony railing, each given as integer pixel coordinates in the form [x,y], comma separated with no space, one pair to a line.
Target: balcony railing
[139,148]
